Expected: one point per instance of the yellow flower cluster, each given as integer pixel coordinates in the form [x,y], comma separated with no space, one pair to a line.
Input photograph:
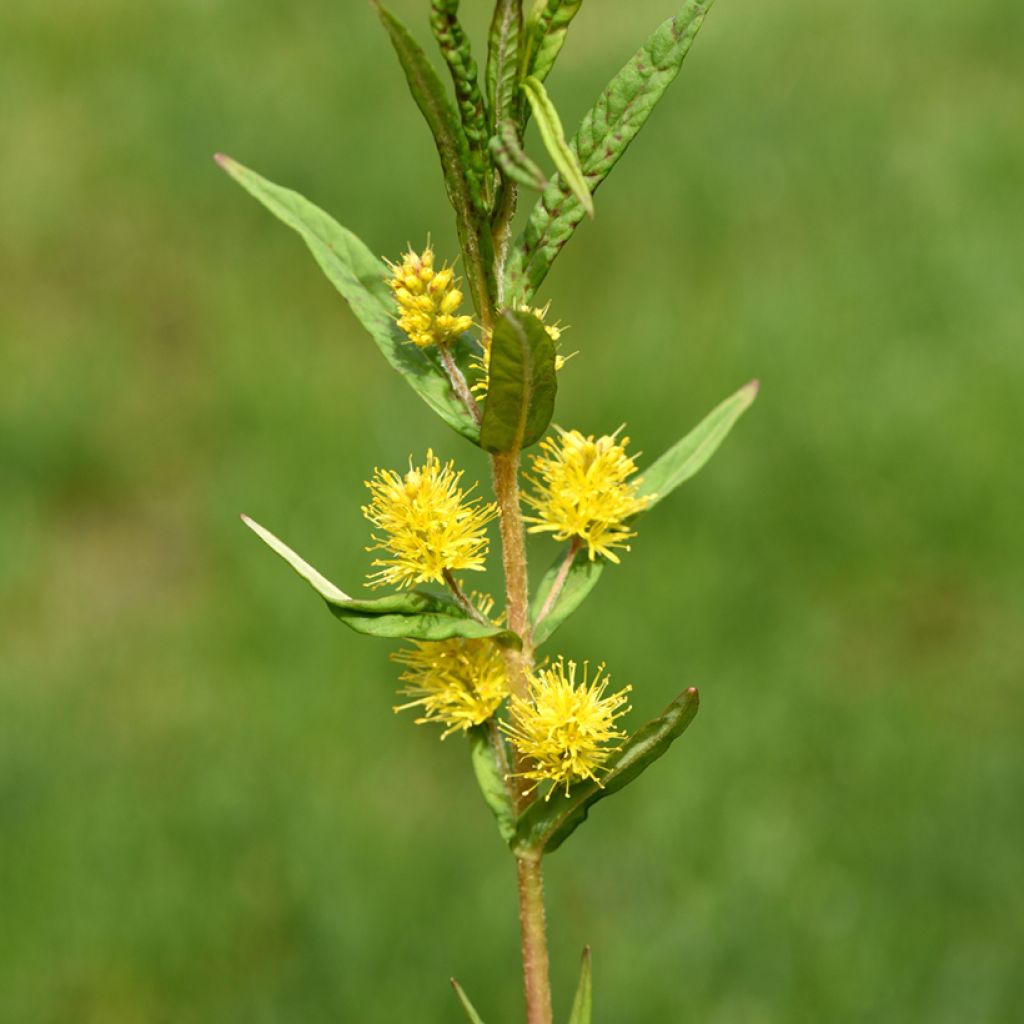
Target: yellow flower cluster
[582,490]
[428,300]
[565,729]
[458,683]
[429,524]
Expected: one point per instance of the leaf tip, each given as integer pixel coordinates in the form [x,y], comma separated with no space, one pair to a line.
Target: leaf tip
[753,387]
[223,161]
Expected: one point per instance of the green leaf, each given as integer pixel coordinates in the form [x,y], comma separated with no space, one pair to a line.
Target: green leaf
[411,615]
[681,462]
[361,278]
[471,1014]
[547,823]
[503,59]
[453,148]
[581,579]
[688,456]
[521,389]
[582,1005]
[490,779]
[546,29]
[550,126]
[603,136]
[512,159]
[456,50]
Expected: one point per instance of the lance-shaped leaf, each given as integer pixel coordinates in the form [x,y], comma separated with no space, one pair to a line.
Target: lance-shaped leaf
[688,456]
[503,59]
[491,779]
[681,462]
[545,32]
[603,136]
[550,126]
[547,823]
[521,387]
[361,278]
[471,1014]
[411,615]
[453,148]
[583,1004]
[458,55]
[512,159]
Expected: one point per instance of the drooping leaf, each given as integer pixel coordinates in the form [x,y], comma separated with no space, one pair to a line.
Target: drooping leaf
[453,148]
[471,1014]
[522,386]
[411,615]
[362,280]
[603,136]
[681,462]
[512,159]
[456,50]
[688,456]
[583,1004]
[547,823]
[581,579]
[490,779]
[550,126]
[545,32]
[503,60]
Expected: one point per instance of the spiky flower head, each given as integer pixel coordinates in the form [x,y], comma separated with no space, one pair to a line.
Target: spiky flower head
[582,490]
[457,683]
[566,729]
[428,300]
[429,523]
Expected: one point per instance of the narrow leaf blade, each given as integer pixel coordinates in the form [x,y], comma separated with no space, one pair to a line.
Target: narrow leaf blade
[411,615]
[503,59]
[583,1004]
[522,386]
[512,159]
[453,149]
[547,32]
[361,278]
[547,823]
[687,457]
[490,779]
[603,136]
[553,136]
[471,1014]
[582,578]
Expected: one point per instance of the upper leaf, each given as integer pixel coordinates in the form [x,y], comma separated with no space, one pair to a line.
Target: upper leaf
[412,615]
[503,60]
[603,136]
[362,279]
[583,1004]
[522,386]
[547,823]
[550,126]
[453,147]
[545,31]
[512,159]
[682,461]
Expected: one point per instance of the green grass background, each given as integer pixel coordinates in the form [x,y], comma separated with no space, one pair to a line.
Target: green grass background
[209,813]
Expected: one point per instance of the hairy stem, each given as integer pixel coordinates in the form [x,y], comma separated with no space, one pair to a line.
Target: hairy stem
[459,384]
[536,973]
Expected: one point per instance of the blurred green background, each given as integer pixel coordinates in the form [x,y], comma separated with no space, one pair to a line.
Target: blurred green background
[208,811]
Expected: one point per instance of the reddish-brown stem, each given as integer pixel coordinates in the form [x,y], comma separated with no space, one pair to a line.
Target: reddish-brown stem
[459,384]
[464,602]
[536,973]
[559,582]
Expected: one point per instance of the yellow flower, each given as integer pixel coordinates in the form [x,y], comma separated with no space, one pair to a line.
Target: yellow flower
[565,729]
[482,362]
[458,683]
[582,490]
[427,300]
[429,525]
